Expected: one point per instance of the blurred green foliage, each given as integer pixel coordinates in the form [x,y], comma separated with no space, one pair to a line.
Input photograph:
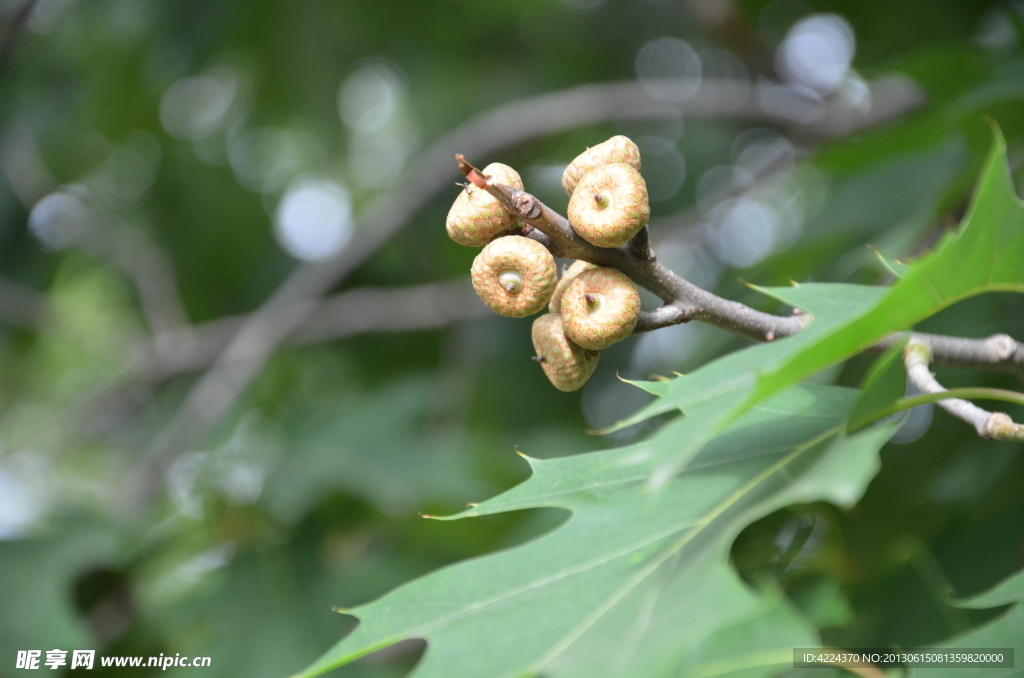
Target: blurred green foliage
[307,494]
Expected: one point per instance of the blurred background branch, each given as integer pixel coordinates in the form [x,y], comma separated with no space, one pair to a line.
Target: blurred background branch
[289,306]
[21,306]
[11,29]
[360,310]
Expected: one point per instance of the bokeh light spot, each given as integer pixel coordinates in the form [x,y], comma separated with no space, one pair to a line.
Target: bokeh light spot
[817,52]
[371,96]
[57,219]
[314,219]
[668,69]
[194,108]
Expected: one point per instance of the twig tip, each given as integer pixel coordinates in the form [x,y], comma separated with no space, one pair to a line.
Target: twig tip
[472,173]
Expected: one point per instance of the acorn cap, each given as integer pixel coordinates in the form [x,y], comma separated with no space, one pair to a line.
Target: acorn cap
[600,307]
[575,269]
[476,217]
[616,149]
[515,276]
[567,365]
[609,205]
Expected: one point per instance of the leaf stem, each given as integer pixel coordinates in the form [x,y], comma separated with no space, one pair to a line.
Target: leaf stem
[964,393]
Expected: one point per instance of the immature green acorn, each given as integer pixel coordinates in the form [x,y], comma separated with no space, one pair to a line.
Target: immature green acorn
[476,217]
[616,149]
[567,365]
[515,276]
[600,307]
[577,267]
[609,205]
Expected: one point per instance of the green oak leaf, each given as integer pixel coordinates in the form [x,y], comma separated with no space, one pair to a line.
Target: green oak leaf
[719,392]
[985,254]
[36,574]
[633,583]
[1004,631]
[893,266]
[885,383]
[1008,591]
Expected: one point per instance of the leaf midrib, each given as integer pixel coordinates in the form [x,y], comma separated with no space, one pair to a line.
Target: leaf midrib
[691,534]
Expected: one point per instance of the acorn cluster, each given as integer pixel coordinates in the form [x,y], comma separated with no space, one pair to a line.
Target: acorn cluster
[590,307]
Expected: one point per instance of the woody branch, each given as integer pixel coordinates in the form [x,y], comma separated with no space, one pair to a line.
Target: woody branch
[917,356]
[684,301]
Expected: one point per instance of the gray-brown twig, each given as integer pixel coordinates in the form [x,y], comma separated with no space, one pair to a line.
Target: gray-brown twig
[917,356]
[686,300]
[998,353]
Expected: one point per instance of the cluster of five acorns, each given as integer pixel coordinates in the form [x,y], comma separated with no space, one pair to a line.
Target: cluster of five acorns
[590,307]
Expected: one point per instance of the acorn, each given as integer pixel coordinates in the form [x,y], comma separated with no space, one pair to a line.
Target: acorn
[600,307]
[575,269]
[515,276]
[609,205]
[477,217]
[567,365]
[616,149]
